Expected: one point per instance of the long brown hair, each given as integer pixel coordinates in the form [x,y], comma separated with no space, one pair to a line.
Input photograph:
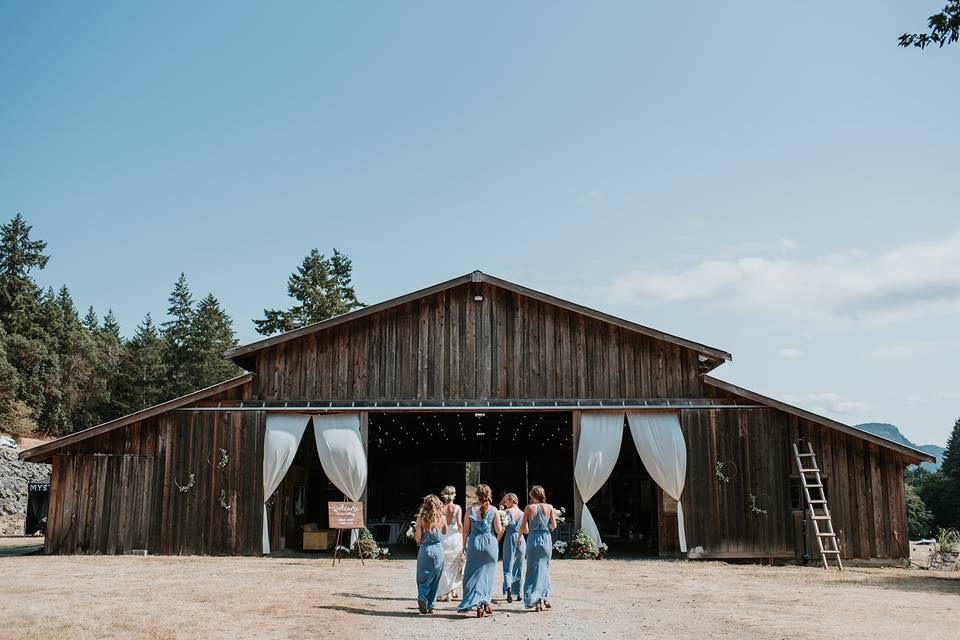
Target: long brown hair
[484,495]
[537,493]
[430,514]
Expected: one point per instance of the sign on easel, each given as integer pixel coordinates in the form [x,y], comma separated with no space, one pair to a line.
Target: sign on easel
[345,516]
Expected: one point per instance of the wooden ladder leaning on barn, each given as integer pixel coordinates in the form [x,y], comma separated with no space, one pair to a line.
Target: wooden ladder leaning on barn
[816,498]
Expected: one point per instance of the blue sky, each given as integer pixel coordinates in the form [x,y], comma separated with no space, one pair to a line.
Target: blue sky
[777,180]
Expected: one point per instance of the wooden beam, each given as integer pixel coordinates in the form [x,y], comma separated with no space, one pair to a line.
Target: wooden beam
[365,438]
[577,499]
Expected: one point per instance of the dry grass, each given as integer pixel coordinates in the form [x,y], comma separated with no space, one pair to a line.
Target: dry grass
[198,597]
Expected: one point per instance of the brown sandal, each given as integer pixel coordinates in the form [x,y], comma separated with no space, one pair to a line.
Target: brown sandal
[488,609]
[479,612]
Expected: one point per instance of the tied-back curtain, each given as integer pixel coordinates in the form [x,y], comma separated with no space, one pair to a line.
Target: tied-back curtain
[600,437]
[280,443]
[342,455]
[340,447]
[660,444]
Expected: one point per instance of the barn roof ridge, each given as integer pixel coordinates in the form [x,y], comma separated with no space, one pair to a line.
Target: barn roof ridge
[814,417]
[709,355]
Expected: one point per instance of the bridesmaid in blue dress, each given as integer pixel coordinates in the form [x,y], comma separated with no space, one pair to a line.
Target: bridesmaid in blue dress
[513,555]
[431,525]
[539,519]
[481,532]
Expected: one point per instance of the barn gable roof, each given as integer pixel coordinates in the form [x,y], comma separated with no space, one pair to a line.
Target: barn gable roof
[914,455]
[38,453]
[711,357]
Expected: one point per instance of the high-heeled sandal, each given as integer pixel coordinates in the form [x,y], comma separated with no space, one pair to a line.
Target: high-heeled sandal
[509,597]
[546,605]
[479,612]
[488,609]
[422,606]
[538,607]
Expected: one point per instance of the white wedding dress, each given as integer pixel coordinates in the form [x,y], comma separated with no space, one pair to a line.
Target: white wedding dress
[451,579]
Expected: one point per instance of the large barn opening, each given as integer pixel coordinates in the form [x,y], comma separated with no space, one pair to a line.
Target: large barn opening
[301,498]
[415,454]
[625,509]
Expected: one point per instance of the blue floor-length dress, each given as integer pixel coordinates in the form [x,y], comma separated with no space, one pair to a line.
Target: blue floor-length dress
[481,567]
[429,567]
[513,557]
[536,584]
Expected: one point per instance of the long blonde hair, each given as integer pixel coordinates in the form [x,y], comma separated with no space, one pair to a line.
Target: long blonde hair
[448,494]
[430,515]
[484,495]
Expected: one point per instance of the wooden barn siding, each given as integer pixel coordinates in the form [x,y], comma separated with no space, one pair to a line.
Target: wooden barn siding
[718,515]
[117,492]
[449,346]
[864,485]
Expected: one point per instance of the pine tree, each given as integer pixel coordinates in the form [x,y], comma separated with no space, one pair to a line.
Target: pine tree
[323,287]
[951,455]
[176,334]
[142,372]
[941,491]
[19,255]
[211,334]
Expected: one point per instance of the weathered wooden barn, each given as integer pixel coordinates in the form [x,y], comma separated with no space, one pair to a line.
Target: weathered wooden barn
[478,376]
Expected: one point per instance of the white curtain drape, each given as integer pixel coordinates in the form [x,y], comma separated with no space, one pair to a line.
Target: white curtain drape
[280,444]
[600,437]
[660,444]
[341,452]
[344,460]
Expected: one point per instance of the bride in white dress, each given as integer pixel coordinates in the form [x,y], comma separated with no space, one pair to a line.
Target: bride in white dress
[451,580]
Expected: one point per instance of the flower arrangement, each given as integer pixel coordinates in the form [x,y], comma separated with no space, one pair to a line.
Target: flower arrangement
[559,548]
[504,518]
[561,515]
[368,546]
[582,547]
[342,550]
[224,459]
[411,533]
[223,500]
[602,551]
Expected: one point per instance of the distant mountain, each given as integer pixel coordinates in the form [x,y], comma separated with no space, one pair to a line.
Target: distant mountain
[891,432]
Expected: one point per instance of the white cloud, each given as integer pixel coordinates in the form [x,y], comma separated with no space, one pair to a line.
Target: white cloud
[846,289]
[790,352]
[924,398]
[826,403]
[787,244]
[911,349]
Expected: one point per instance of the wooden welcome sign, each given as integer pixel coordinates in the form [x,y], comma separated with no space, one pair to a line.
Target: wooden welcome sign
[345,515]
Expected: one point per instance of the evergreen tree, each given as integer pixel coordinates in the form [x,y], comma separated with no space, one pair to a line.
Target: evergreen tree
[19,255]
[941,491]
[176,335]
[951,455]
[211,333]
[142,373]
[323,287]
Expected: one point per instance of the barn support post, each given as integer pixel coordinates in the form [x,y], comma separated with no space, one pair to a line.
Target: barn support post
[577,500]
[365,438]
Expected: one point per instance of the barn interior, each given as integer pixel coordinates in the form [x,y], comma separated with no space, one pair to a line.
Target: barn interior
[415,454]
[412,454]
[625,509]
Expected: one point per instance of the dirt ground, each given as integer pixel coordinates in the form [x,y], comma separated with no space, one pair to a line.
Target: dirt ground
[203,597]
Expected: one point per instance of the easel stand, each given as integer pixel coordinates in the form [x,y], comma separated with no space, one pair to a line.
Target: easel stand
[336,549]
